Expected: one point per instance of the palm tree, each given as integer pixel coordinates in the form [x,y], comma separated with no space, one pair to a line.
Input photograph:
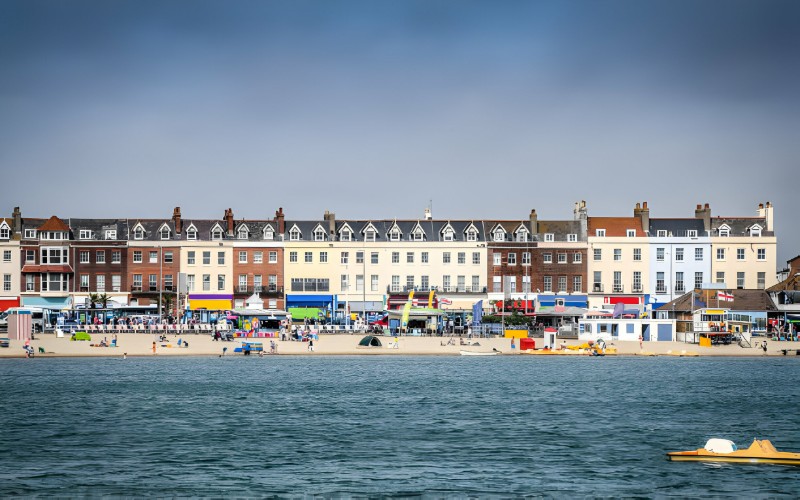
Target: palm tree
[94,299]
[103,299]
[166,303]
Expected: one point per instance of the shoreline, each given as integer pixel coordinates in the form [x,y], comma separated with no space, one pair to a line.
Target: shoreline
[141,345]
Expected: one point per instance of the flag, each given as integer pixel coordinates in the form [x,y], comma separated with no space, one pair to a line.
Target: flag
[727,297]
[445,302]
[477,312]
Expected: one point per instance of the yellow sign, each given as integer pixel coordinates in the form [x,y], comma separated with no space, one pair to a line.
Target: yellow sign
[715,311]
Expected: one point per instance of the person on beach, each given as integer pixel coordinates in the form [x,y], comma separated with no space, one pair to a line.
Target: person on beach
[513,345]
[311,344]
[154,347]
[764,346]
[640,342]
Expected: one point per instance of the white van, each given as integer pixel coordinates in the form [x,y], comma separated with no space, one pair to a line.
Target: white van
[37,318]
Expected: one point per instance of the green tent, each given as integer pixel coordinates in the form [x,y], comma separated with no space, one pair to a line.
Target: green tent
[81,336]
[370,341]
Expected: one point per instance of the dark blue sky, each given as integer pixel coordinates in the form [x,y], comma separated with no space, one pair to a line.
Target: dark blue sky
[375,108]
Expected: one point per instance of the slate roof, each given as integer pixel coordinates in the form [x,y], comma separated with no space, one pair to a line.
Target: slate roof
[99,227]
[743,300]
[677,227]
[615,226]
[560,229]
[739,225]
[433,229]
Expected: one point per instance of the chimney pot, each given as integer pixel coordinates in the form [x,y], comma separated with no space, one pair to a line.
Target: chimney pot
[644,205]
[707,206]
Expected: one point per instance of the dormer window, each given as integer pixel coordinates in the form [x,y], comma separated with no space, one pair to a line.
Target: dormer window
[549,237]
[472,235]
[346,235]
[216,233]
[165,233]
[600,233]
[755,230]
[111,234]
[394,234]
[138,233]
[269,234]
[499,234]
[5,232]
[662,233]
[30,234]
[242,233]
[191,233]
[630,233]
[294,234]
[572,237]
[691,233]
[449,234]
[85,234]
[370,234]
[522,235]
[724,231]
[319,234]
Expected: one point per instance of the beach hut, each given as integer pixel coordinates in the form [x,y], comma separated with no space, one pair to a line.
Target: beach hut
[370,341]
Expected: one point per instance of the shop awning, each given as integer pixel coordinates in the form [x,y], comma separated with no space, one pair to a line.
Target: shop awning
[57,303]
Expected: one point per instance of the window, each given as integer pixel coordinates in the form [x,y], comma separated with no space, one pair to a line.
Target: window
[272,283]
[547,258]
[522,235]
[720,276]
[462,257]
[637,254]
[167,284]
[526,284]
[724,231]
[691,233]
[755,230]
[499,234]
[293,258]
[206,282]
[165,233]
[394,234]
[294,234]
[346,235]
[600,233]
[720,254]
[679,255]
[424,258]
[740,280]
[216,233]
[446,282]
[189,257]
[101,282]
[319,234]
[572,238]
[512,259]
[373,258]
[472,235]
[598,254]
[496,284]
[191,233]
[6,255]
[373,282]
[526,259]
[445,257]
[409,282]
[206,258]
[370,235]
[153,282]
[116,256]
[395,283]
[242,257]
[323,257]
[220,282]
[153,257]
[637,282]
[137,283]
[221,258]
[242,283]
[138,233]
[242,233]
[660,254]
[308,257]
[359,282]
[679,287]
[30,256]
[54,255]
[360,257]
[84,256]
[562,258]
[395,257]
[84,234]
[698,279]
[409,257]
[190,282]
[549,237]
[548,283]
[449,234]
[84,283]
[762,279]
[740,254]
[661,287]
[698,254]
[116,283]
[577,258]
[100,257]
[345,257]
[630,233]
[476,283]
[258,257]
[618,282]
[562,283]
[30,285]
[617,254]
[273,257]
[577,283]
[30,234]
[496,259]
[661,233]
[761,253]
[137,257]
[257,283]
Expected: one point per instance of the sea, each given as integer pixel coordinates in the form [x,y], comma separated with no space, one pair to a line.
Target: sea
[392,426]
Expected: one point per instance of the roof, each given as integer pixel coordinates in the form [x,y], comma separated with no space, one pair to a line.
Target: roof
[677,227]
[54,224]
[615,226]
[743,300]
[739,226]
[790,283]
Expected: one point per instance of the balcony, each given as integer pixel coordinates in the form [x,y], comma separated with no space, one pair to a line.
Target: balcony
[661,289]
[136,288]
[636,289]
[439,289]
[265,291]
[619,288]
[597,288]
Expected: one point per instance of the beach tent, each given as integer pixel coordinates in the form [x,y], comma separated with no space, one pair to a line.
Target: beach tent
[370,341]
[81,336]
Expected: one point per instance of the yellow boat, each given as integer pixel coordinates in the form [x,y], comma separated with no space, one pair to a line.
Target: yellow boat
[722,450]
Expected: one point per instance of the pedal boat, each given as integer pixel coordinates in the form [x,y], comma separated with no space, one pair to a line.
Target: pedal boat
[722,450]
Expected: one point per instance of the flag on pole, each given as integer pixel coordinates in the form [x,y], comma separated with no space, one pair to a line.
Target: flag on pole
[725,296]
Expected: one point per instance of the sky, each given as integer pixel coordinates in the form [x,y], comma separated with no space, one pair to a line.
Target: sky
[379,109]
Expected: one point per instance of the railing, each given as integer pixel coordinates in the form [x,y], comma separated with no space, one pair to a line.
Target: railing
[661,289]
[263,290]
[597,287]
[136,288]
[441,289]
[619,288]
[636,289]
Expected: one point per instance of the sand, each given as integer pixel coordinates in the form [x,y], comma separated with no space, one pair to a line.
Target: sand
[139,344]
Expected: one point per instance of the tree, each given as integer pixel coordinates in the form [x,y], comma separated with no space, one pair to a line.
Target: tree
[94,299]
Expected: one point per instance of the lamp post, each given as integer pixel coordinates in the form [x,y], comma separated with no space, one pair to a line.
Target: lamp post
[160,279]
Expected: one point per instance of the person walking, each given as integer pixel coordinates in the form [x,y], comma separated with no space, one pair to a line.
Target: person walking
[311,344]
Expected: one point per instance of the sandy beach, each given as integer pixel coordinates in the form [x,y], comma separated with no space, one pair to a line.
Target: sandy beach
[131,344]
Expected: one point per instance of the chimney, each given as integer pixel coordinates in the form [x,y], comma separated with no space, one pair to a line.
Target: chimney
[428,215]
[643,213]
[280,220]
[534,222]
[705,214]
[581,214]
[17,221]
[331,218]
[176,219]
[769,216]
[229,220]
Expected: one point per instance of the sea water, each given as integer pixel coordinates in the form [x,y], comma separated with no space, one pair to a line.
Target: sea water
[392,426]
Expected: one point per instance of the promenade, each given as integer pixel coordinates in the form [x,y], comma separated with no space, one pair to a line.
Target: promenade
[140,344]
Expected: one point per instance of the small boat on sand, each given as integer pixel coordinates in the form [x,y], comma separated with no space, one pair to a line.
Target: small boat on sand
[723,450]
[476,353]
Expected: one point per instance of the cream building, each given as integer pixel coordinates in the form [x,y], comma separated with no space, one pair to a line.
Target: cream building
[617,262]
[9,265]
